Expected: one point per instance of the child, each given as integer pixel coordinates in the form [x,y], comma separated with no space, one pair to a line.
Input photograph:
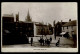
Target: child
[57,44]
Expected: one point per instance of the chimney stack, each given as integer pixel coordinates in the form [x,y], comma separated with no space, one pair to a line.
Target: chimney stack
[61,21]
[69,20]
[54,23]
[17,17]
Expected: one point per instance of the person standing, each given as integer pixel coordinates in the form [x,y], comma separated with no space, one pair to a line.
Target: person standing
[58,43]
[74,39]
[45,41]
[40,41]
[67,35]
[31,41]
[50,39]
[48,42]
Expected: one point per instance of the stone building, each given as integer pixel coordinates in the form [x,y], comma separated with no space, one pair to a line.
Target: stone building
[58,28]
[70,27]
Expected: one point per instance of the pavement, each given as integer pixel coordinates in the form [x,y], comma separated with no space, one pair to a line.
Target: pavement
[64,43]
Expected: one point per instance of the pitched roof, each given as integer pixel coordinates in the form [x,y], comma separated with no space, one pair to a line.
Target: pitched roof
[61,23]
[40,24]
[8,15]
[71,23]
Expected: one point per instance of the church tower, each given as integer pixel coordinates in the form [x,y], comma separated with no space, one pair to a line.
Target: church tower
[54,23]
[17,17]
[28,19]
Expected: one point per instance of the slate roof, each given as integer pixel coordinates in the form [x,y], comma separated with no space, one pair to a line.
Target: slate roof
[71,23]
[40,24]
[8,15]
[61,23]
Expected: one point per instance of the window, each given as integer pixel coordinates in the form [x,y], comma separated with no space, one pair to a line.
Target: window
[72,27]
[63,28]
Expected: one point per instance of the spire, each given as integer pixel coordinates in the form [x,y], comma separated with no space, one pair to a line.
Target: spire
[28,13]
[54,23]
[17,17]
[28,19]
[18,13]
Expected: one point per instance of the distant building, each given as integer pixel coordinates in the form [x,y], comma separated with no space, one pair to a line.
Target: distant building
[28,18]
[8,18]
[7,28]
[70,27]
[42,29]
[24,27]
[8,22]
[16,32]
[58,27]
[17,17]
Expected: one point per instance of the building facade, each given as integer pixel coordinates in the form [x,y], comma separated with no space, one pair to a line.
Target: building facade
[70,27]
[58,28]
[16,32]
[19,32]
[42,29]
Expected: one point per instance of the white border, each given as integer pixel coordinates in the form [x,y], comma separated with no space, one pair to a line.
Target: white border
[38,49]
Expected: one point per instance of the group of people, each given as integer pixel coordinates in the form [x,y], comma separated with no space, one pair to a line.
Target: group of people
[66,35]
[45,41]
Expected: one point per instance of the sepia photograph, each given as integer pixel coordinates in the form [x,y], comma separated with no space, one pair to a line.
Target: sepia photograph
[39,27]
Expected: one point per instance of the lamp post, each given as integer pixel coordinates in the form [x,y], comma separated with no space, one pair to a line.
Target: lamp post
[55,32]
[42,31]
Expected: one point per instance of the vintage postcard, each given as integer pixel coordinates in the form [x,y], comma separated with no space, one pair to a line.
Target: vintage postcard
[39,27]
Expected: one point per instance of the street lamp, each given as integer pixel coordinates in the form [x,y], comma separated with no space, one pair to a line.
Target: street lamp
[42,31]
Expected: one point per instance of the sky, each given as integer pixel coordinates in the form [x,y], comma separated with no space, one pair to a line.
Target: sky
[42,11]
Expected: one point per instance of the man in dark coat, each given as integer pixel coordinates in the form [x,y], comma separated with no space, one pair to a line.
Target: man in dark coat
[45,41]
[48,42]
[50,39]
[74,39]
[31,41]
[40,41]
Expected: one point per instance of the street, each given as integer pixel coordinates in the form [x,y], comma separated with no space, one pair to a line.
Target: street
[64,43]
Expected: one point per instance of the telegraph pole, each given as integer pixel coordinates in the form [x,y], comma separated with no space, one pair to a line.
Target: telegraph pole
[54,30]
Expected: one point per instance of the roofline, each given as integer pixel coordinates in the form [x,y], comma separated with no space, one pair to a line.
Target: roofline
[69,25]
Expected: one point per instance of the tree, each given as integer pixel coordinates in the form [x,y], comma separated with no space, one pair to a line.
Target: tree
[49,25]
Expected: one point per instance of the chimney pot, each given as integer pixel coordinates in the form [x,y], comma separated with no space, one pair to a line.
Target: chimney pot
[69,20]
